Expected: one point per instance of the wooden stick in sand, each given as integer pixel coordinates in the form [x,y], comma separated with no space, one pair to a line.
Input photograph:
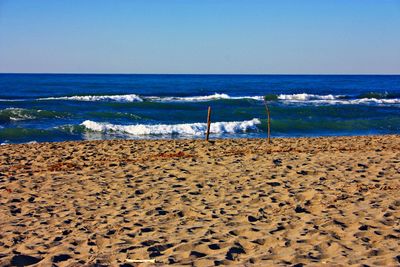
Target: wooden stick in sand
[208,122]
[269,121]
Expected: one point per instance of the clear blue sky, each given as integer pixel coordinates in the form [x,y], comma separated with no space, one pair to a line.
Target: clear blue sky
[200,36]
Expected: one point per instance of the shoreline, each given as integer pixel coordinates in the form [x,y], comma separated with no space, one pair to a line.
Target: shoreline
[201,139]
[313,200]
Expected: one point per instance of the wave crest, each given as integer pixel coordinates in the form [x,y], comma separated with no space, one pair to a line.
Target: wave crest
[116,98]
[370,101]
[306,97]
[215,96]
[302,98]
[195,129]
[334,99]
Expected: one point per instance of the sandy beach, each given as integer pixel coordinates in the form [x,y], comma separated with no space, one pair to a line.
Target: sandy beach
[312,201]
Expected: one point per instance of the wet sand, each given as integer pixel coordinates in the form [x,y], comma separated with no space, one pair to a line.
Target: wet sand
[311,201]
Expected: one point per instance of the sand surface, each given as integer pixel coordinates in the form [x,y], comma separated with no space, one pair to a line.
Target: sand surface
[322,201]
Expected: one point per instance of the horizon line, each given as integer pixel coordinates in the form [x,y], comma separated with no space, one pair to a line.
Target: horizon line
[216,74]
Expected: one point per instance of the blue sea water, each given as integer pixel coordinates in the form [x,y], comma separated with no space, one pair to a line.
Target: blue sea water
[62,107]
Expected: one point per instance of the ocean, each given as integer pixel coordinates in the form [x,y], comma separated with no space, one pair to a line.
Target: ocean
[65,107]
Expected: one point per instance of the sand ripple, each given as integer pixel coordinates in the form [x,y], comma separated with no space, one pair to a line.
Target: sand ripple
[230,202]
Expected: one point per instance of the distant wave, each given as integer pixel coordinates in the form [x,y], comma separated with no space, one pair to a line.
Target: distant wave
[12,100]
[369,101]
[194,129]
[306,97]
[21,114]
[137,98]
[116,98]
[215,96]
[379,95]
[302,98]
[334,99]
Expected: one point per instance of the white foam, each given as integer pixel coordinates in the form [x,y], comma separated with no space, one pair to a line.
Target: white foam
[18,114]
[370,101]
[116,98]
[362,101]
[174,129]
[13,100]
[306,97]
[215,96]
[284,98]
[333,100]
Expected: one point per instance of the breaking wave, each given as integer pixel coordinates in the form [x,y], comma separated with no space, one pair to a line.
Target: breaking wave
[334,99]
[370,98]
[117,98]
[302,98]
[306,97]
[369,101]
[215,96]
[137,98]
[192,129]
